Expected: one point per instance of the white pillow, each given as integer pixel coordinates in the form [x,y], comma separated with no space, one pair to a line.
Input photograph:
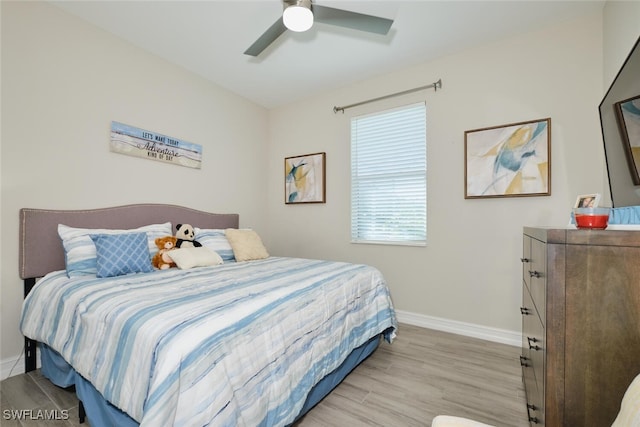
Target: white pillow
[186,258]
[80,251]
[246,244]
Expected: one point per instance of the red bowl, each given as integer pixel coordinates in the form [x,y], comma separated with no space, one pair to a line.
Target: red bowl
[591,218]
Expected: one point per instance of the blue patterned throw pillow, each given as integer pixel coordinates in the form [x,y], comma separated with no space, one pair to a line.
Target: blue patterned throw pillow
[80,251]
[119,254]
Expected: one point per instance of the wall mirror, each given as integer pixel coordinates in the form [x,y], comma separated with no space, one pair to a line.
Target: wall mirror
[618,142]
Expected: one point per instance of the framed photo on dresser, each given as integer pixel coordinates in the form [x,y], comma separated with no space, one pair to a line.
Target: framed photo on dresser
[587,201]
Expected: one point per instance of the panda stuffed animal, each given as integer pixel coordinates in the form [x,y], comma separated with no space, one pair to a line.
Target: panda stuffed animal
[185,235]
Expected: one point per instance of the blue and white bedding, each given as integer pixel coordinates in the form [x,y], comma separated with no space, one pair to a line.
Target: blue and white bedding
[235,344]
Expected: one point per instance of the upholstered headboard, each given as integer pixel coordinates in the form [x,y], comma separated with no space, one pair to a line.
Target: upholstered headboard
[41,249]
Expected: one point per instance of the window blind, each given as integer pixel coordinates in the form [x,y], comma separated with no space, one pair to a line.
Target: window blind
[389,176]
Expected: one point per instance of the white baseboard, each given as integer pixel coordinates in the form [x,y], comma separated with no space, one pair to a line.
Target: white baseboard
[12,367]
[15,366]
[502,336]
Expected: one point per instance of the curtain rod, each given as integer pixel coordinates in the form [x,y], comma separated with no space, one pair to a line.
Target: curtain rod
[437,85]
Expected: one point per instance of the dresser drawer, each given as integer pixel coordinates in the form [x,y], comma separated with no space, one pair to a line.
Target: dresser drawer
[533,393]
[526,260]
[532,358]
[535,410]
[537,276]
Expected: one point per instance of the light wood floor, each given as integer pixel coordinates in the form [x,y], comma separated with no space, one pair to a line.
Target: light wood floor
[422,374]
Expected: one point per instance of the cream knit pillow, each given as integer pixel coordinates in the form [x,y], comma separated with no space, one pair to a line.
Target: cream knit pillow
[246,244]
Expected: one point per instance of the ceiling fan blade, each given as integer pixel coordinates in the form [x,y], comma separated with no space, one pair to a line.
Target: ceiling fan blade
[353,20]
[266,38]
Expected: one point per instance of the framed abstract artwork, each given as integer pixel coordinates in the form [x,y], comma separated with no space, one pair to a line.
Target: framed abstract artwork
[304,179]
[628,116]
[511,160]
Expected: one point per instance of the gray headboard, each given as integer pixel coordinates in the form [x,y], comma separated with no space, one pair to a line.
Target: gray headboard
[41,249]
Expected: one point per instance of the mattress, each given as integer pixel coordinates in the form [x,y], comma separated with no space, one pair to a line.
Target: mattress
[235,344]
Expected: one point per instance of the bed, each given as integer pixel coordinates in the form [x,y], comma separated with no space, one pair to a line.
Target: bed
[247,341]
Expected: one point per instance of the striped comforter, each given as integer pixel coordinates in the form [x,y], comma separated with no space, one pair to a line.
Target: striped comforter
[235,344]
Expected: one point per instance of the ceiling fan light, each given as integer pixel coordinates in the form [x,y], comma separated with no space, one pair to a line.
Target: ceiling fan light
[298,18]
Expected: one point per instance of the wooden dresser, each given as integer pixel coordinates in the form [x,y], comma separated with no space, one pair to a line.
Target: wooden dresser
[580,323]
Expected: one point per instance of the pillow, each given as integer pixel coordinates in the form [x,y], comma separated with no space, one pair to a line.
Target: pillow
[186,258]
[120,254]
[80,251]
[246,244]
[216,240]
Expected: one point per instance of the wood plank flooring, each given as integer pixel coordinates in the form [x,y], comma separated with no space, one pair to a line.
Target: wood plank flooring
[424,373]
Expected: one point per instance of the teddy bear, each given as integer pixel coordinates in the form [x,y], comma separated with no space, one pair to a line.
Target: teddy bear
[161,259]
[186,237]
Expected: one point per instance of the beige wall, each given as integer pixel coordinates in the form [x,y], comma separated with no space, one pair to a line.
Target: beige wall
[63,82]
[621,24]
[470,271]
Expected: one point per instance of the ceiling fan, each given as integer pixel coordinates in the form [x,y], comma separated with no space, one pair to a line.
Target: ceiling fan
[299,16]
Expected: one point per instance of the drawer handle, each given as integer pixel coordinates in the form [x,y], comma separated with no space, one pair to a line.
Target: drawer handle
[525,260]
[524,361]
[534,274]
[531,407]
[524,311]
[533,346]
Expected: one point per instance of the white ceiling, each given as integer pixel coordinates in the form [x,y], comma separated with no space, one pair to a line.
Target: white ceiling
[209,38]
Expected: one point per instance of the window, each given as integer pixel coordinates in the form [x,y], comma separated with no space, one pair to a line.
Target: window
[389,177]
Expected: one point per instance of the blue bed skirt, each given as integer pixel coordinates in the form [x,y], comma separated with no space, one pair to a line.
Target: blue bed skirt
[102,414]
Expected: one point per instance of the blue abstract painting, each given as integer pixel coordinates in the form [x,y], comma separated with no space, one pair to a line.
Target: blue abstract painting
[508,160]
[628,115]
[305,179]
